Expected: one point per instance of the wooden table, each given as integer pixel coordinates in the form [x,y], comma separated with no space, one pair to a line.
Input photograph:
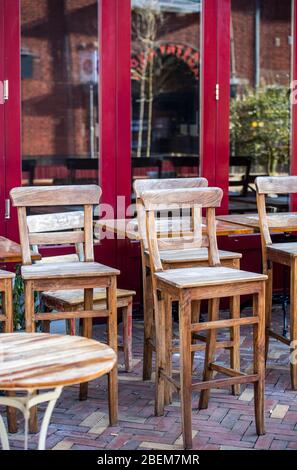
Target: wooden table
[128,228]
[38,361]
[278,222]
[10,252]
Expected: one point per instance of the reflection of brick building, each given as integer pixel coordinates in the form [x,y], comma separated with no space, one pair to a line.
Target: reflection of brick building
[56,104]
[274,37]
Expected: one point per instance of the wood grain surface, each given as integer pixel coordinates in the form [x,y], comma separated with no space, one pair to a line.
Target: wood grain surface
[38,360]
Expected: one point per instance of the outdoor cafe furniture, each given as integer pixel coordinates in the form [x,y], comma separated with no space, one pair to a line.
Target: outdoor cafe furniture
[171,258]
[85,275]
[73,300]
[6,316]
[46,363]
[280,253]
[6,319]
[187,284]
[10,252]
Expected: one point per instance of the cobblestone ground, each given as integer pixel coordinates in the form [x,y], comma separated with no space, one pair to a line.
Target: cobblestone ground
[228,423]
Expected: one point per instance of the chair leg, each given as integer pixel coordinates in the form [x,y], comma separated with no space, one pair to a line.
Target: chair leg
[235,338]
[293,322]
[160,336]
[148,318]
[30,328]
[29,307]
[259,359]
[113,343]
[185,367]
[127,335]
[7,306]
[210,351]
[196,307]
[87,333]
[168,346]
[268,308]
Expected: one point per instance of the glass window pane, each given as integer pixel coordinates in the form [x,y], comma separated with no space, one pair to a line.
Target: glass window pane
[59,70]
[260,102]
[165,68]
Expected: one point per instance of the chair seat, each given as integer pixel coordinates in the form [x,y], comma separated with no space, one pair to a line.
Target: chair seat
[207,276]
[66,270]
[193,254]
[6,274]
[285,248]
[75,297]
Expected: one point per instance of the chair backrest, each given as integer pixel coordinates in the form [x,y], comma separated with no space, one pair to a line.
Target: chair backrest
[155,185]
[184,161]
[56,229]
[272,185]
[194,199]
[243,162]
[148,162]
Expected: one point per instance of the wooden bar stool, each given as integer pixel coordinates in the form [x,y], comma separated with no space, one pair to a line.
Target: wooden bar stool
[186,285]
[6,317]
[172,258]
[73,300]
[279,253]
[85,275]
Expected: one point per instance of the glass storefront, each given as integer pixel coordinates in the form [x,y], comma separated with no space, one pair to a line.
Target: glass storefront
[59,73]
[165,72]
[261,40]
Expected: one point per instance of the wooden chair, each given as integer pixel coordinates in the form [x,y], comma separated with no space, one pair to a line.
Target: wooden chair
[280,253]
[85,275]
[73,300]
[172,258]
[211,282]
[6,317]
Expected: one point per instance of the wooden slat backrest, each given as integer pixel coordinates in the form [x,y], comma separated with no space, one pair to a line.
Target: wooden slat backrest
[276,184]
[75,227]
[168,183]
[155,184]
[194,199]
[42,196]
[271,185]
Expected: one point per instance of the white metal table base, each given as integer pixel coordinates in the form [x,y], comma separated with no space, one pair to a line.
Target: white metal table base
[24,404]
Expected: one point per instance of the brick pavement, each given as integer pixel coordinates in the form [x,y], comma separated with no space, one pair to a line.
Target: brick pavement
[228,423]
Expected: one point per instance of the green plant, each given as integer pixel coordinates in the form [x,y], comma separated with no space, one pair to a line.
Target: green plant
[260,126]
[19,301]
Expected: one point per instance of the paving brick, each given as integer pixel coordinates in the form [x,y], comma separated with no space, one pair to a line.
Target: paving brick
[227,423]
[279,411]
[247,395]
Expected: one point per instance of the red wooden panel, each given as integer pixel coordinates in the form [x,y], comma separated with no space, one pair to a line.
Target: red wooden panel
[207,90]
[12,106]
[2,161]
[223,105]
[294,106]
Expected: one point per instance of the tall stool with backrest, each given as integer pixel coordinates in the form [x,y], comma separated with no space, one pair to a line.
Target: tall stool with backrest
[172,258]
[280,253]
[210,282]
[73,300]
[6,318]
[85,275]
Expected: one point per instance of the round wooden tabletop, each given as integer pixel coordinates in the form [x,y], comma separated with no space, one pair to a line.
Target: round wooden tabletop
[38,360]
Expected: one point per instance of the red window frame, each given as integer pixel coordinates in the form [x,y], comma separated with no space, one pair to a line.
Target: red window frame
[115,99]
[114,102]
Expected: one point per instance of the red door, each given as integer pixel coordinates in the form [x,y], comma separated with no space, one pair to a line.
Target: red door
[2,157]
[61,122]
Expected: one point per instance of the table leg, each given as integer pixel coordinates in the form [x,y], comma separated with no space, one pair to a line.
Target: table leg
[24,404]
